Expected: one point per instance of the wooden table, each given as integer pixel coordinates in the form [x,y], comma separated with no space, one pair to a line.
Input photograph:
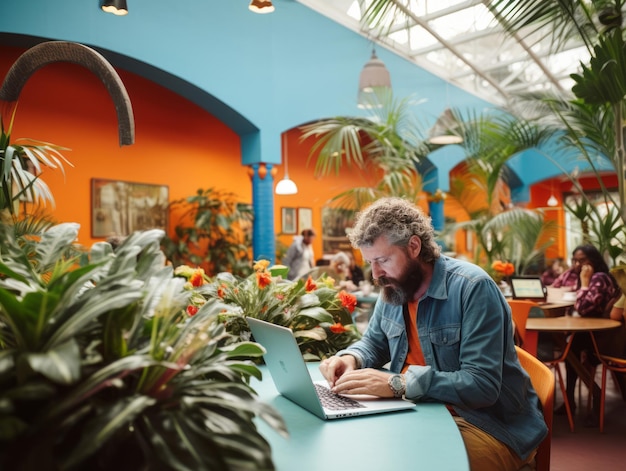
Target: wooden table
[567,325]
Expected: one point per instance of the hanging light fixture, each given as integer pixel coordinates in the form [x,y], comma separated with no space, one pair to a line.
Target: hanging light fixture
[286,186]
[374,83]
[552,201]
[117,7]
[261,6]
[441,132]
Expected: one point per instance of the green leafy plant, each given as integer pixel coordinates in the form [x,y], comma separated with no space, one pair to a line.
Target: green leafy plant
[319,314]
[213,233]
[20,166]
[102,366]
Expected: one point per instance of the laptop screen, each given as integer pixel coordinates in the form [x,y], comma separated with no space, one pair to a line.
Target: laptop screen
[528,288]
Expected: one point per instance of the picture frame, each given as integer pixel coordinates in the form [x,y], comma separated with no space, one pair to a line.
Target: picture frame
[119,208]
[289,220]
[305,219]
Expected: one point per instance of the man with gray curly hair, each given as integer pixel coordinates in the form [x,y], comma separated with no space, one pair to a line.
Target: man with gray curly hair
[445,330]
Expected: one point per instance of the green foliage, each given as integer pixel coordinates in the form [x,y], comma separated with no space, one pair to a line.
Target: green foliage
[101,366]
[318,313]
[20,166]
[214,233]
[388,143]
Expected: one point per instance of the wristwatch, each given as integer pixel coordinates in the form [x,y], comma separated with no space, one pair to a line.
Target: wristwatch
[397,384]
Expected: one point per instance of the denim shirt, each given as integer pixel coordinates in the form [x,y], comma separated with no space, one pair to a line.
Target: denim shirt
[466,334]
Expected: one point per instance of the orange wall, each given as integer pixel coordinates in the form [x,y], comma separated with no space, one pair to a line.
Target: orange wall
[177,144]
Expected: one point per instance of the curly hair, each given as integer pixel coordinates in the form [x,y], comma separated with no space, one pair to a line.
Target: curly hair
[398,220]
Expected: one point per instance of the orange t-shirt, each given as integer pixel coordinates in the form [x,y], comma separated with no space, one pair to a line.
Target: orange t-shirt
[415,355]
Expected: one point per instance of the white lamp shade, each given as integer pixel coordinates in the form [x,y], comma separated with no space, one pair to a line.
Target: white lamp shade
[286,187]
[552,201]
[441,133]
[374,83]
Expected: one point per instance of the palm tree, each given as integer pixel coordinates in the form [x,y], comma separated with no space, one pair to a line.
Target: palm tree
[389,143]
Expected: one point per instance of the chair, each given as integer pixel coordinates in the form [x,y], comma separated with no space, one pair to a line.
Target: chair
[615,365]
[543,382]
[519,313]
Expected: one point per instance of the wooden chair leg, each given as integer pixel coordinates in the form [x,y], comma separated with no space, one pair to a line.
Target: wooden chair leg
[602,398]
[568,409]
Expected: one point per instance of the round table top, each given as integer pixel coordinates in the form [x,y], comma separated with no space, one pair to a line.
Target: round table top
[570,324]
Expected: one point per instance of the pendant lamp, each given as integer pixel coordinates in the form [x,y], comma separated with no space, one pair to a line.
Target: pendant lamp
[374,83]
[286,186]
[261,6]
[441,133]
[117,7]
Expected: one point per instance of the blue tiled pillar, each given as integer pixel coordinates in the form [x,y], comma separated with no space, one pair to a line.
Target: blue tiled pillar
[436,214]
[263,238]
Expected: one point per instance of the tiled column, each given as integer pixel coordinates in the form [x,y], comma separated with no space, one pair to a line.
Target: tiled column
[263,237]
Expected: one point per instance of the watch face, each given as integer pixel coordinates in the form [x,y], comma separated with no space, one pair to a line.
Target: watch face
[396,384]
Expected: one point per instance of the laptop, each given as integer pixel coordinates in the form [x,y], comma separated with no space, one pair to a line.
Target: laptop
[529,288]
[292,379]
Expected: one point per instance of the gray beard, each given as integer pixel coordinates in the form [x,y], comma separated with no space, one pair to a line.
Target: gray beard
[402,290]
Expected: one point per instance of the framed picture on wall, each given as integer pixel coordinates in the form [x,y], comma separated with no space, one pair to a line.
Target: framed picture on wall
[121,208]
[288,220]
[305,219]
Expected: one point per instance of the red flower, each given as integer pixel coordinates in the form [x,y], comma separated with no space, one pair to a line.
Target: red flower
[310,285]
[263,279]
[192,310]
[347,300]
[338,328]
[197,278]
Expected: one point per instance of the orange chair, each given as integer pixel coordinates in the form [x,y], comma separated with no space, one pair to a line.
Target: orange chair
[519,313]
[615,365]
[543,382]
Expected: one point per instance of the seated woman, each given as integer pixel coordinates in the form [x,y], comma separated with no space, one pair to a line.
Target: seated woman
[556,269]
[596,292]
[338,270]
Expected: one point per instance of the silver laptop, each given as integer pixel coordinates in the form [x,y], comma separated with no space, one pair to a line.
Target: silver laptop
[292,379]
[529,288]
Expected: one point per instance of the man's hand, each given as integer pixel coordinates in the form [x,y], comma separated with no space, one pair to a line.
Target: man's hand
[364,381]
[334,367]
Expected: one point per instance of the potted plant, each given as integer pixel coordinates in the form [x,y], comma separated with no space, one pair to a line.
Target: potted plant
[319,314]
[102,366]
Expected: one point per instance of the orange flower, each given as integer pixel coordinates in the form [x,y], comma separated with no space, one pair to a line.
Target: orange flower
[310,285]
[192,310]
[347,300]
[506,269]
[197,278]
[263,279]
[261,265]
[338,328]
[220,291]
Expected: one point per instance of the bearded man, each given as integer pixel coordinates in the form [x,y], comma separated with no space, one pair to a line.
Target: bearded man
[445,331]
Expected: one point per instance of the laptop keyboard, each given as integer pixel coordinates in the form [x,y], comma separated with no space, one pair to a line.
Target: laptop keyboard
[334,401]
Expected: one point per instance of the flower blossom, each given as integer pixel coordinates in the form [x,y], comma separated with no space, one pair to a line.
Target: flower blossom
[310,285]
[338,328]
[192,310]
[261,265]
[263,279]
[347,300]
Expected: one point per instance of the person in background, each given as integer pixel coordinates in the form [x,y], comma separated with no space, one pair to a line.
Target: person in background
[596,292]
[556,269]
[445,330]
[299,257]
[356,273]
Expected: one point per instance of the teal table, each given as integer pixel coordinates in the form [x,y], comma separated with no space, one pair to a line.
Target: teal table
[426,438]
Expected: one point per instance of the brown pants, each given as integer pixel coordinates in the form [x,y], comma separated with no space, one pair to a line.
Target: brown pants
[486,453]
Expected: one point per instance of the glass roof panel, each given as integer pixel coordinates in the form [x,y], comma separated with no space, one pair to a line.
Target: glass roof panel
[462,42]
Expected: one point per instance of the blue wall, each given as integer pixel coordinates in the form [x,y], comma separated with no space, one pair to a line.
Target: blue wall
[259,74]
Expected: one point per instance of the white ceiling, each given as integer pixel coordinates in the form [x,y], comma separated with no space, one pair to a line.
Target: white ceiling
[462,42]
